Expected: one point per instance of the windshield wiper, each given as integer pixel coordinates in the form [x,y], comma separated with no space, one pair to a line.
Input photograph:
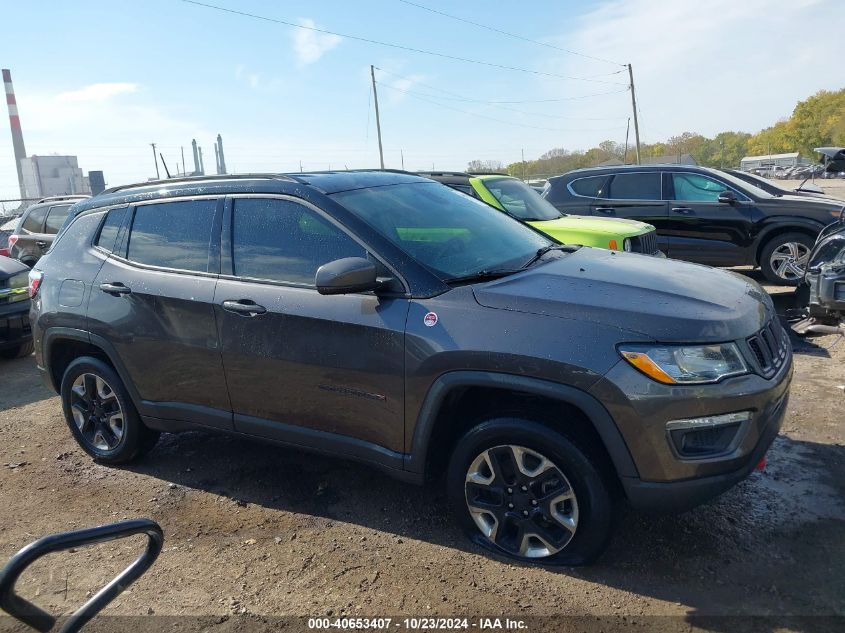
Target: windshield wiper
[483,275]
[547,249]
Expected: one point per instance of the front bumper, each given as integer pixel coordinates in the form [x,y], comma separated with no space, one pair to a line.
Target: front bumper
[14,324]
[641,408]
[827,290]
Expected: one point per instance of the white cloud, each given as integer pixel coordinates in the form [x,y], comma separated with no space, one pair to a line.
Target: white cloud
[98,92]
[310,46]
[702,66]
[251,78]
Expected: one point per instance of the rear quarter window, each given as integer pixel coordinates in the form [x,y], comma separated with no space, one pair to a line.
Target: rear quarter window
[591,187]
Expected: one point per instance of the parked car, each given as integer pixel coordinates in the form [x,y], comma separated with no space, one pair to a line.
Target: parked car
[521,202]
[384,317]
[807,190]
[15,333]
[702,215]
[37,227]
[821,294]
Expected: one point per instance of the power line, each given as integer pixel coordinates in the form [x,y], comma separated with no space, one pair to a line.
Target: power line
[456,97]
[508,34]
[489,118]
[468,60]
[496,104]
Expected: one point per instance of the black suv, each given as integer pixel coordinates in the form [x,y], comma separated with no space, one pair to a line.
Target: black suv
[37,227]
[702,215]
[387,318]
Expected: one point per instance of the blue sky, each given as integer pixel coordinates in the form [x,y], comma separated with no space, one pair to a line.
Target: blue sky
[104,79]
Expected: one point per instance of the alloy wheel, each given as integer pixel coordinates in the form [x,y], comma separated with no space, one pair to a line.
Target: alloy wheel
[789,260]
[521,501]
[97,412]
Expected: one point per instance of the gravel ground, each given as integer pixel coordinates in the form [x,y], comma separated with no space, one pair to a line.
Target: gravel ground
[254,531]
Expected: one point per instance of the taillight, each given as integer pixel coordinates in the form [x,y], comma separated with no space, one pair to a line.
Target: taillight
[13,239]
[35,278]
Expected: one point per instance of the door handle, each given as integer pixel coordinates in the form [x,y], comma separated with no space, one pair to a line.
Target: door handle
[42,244]
[245,307]
[606,210]
[682,210]
[115,288]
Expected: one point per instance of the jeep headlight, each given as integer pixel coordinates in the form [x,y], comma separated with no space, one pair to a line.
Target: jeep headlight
[686,364]
[626,245]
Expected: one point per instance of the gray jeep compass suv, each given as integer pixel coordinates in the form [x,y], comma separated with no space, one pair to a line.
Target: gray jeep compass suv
[387,318]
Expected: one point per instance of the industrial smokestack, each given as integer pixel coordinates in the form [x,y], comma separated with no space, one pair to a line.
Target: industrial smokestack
[196,157]
[222,169]
[216,159]
[202,167]
[15,124]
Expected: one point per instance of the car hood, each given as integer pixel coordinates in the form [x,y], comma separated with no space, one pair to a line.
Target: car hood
[577,223]
[666,300]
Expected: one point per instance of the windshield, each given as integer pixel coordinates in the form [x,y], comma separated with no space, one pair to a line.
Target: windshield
[743,186]
[520,200]
[452,234]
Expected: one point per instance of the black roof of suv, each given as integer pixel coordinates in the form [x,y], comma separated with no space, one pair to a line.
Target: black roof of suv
[384,317]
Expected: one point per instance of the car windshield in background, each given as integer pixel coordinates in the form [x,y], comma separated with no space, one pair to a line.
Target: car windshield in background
[520,200]
[745,187]
[450,233]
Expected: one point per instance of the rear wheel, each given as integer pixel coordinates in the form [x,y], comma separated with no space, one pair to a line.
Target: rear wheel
[783,259]
[525,491]
[101,415]
[22,350]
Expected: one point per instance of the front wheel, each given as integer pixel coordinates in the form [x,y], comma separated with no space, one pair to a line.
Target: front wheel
[783,259]
[525,491]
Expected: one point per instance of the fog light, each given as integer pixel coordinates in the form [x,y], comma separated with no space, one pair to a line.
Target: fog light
[706,436]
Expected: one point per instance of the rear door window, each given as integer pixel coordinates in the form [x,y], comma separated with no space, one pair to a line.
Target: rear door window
[34,222]
[56,218]
[638,186]
[282,240]
[173,234]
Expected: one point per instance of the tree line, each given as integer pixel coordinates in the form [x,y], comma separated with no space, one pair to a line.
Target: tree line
[815,122]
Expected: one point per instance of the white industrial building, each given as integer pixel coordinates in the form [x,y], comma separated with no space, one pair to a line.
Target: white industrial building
[52,176]
[791,159]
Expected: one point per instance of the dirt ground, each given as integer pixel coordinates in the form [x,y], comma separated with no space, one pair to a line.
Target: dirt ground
[254,531]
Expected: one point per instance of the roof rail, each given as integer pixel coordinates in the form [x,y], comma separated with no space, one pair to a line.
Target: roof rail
[71,196]
[444,173]
[167,181]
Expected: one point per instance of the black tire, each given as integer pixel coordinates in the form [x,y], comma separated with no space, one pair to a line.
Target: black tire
[594,509]
[775,243]
[135,438]
[22,350]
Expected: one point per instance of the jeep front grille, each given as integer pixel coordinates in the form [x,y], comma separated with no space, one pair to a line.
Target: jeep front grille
[770,347]
[646,243]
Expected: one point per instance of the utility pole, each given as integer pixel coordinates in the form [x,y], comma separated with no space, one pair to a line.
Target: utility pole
[402,156]
[378,120]
[634,105]
[155,158]
[300,167]
[184,169]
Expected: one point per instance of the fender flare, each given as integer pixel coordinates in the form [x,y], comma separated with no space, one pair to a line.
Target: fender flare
[799,225]
[54,334]
[415,459]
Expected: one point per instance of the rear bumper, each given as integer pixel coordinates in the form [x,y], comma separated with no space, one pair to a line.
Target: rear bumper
[14,324]
[678,496]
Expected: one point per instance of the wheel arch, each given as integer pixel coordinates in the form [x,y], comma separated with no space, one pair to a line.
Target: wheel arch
[62,345]
[796,225]
[448,396]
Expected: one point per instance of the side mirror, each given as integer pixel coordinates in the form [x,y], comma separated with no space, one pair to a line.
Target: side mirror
[347,275]
[727,197]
